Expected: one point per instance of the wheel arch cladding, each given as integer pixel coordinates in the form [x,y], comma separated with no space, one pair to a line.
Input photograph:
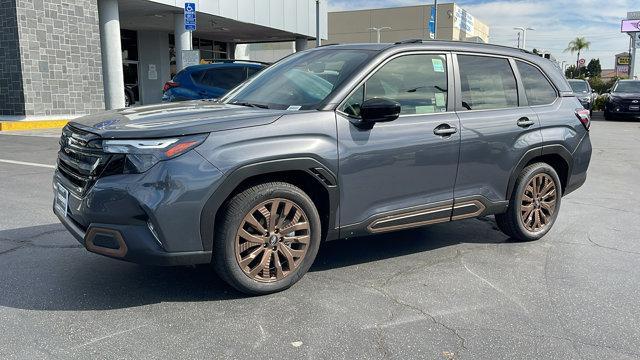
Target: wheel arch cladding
[557,156]
[306,173]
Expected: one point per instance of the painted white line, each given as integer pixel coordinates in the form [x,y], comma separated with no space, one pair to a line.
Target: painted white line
[27,163]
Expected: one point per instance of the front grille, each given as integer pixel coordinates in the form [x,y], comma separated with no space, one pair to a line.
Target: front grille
[80,158]
[629,102]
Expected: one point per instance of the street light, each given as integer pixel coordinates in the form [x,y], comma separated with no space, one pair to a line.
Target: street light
[378,30]
[524,35]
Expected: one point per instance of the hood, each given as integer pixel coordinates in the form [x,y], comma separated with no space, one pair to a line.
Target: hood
[172,119]
[626,95]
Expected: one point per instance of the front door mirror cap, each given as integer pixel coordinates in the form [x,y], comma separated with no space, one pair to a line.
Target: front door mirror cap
[379,110]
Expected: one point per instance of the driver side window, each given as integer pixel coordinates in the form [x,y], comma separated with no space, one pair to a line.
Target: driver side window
[417,82]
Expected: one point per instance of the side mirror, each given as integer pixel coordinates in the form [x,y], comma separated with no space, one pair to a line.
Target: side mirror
[379,110]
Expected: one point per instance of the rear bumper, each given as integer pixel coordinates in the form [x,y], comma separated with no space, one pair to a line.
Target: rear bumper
[581,160]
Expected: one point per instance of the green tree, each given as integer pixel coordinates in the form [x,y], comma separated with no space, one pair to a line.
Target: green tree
[575,73]
[593,68]
[577,45]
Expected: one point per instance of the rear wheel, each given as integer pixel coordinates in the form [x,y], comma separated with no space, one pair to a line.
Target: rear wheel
[534,204]
[267,239]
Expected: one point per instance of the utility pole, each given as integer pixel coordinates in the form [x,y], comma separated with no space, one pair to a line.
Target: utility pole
[524,35]
[518,39]
[318,23]
[379,30]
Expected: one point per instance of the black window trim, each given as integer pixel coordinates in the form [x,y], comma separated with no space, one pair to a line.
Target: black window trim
[546,78]
[451,87]
[458,80]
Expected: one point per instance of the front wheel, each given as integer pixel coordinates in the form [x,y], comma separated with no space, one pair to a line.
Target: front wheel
[534,204]
[267,239]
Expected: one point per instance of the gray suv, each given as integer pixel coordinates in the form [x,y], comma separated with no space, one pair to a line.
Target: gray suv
[331,143]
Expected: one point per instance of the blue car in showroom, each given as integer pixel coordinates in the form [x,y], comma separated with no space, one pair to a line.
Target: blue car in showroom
[209,81]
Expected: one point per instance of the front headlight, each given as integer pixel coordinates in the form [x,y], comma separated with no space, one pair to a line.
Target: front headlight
[614,99]
[141,155]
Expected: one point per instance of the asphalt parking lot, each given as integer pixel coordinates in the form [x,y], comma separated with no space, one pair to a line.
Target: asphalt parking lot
[450,291]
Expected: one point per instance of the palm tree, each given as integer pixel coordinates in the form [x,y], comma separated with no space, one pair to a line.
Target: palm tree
[576,45]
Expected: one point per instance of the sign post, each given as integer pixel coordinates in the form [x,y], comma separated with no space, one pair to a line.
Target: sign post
[432,23]
[631,26]
[190,16]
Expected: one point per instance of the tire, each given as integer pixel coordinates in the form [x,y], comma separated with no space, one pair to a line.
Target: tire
[248,211]
[512,223]
[127,100]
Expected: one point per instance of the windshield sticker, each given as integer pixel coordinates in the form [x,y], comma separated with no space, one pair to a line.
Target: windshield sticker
[294,108]
[438,66]
[440,100]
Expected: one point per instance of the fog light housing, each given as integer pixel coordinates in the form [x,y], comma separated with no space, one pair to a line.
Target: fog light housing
[154,233]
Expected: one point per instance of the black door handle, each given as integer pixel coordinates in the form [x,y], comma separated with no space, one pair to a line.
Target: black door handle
[445,130]
[525,122]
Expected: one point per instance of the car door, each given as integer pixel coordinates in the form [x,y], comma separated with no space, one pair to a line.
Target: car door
[399,174]
[497,127]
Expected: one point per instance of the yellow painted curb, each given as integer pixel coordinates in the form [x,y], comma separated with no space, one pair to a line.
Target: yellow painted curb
[32,125]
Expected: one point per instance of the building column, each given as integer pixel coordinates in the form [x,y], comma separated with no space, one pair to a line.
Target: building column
[182,40]
[111,49]
[301,44]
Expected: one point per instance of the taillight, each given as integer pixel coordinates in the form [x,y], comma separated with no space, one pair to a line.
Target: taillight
[584,117]
[168,85]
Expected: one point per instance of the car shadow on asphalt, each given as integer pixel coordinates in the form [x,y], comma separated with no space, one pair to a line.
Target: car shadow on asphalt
[44,268]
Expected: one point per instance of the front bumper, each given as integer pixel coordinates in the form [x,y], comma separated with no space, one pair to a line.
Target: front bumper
[150,218]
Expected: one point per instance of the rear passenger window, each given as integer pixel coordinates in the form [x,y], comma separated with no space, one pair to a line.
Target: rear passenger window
[417,82]
[487,83]
[537,88]
[252,71]
[224,78]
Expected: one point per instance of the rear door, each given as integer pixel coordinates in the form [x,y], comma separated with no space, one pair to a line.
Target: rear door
[497,126]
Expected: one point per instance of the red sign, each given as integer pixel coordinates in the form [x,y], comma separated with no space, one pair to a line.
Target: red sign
[581,62]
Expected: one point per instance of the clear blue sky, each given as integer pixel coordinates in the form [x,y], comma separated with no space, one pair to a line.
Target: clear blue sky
[556,22]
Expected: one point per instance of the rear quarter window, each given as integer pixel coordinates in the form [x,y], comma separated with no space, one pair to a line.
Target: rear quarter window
[537,88]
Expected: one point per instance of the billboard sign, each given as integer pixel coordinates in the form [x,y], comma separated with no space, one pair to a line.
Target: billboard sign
[630,26]
[633,15]
[623,60]
[432,23]
[622,69]
[463,20]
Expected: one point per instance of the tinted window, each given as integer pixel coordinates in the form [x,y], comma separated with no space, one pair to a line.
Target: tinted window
[537,88]
[302,80]
[487,83]
[252,71]
[417,82]
[627,87]
[224,78]
[578,86]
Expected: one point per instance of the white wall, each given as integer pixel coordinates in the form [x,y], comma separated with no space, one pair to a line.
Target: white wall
[295,16]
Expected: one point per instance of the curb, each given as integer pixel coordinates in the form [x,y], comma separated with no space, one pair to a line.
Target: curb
[32,125]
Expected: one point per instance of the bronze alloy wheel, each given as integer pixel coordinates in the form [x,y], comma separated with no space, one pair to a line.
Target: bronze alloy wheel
[272,240]
[538,203]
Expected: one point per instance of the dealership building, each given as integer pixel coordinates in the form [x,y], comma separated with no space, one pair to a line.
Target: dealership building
[64,58]
[409,22]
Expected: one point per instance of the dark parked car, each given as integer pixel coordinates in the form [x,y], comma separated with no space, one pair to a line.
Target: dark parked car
[209,81]
[582,90]
[329,143]
[623,100]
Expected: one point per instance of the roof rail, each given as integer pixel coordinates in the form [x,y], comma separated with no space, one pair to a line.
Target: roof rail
[409,41]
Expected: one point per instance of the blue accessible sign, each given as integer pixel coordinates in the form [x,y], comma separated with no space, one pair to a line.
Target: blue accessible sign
[190,16]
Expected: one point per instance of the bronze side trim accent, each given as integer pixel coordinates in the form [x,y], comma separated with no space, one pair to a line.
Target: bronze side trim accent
[471,208]
[120,252]
[444,217]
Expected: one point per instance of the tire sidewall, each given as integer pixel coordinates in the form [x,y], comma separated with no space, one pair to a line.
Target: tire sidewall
[527,175]
[233,273]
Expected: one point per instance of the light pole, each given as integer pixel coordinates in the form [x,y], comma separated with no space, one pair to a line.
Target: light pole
[317,23]
[378,30]
[524,35]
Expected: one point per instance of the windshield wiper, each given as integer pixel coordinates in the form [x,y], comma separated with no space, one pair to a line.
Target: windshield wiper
[254,105]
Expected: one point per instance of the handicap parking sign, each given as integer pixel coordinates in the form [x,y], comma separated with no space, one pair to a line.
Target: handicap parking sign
[190,16]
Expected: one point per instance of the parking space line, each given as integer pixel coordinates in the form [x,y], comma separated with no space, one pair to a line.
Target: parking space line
[27,163]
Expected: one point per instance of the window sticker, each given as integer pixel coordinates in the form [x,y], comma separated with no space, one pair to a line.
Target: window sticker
[294,108]
[425,109]
[440,100]
[438,66]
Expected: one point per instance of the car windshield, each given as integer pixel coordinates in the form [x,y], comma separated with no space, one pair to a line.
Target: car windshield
[579,86]
[301,81]
[627,87]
